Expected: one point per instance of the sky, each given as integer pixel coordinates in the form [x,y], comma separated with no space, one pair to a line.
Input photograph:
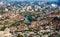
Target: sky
[33,0]
[28,0]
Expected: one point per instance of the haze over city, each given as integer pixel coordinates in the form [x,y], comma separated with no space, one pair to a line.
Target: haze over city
[28,0]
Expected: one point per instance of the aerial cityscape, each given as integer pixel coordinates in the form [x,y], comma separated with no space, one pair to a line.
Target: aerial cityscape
[29,18]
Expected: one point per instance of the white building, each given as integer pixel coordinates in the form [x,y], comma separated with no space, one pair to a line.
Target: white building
[5,33]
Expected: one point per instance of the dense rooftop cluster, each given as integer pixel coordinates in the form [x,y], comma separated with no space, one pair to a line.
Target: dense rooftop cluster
[29,19]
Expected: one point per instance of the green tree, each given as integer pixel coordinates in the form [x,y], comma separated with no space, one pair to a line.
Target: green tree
[20,35]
